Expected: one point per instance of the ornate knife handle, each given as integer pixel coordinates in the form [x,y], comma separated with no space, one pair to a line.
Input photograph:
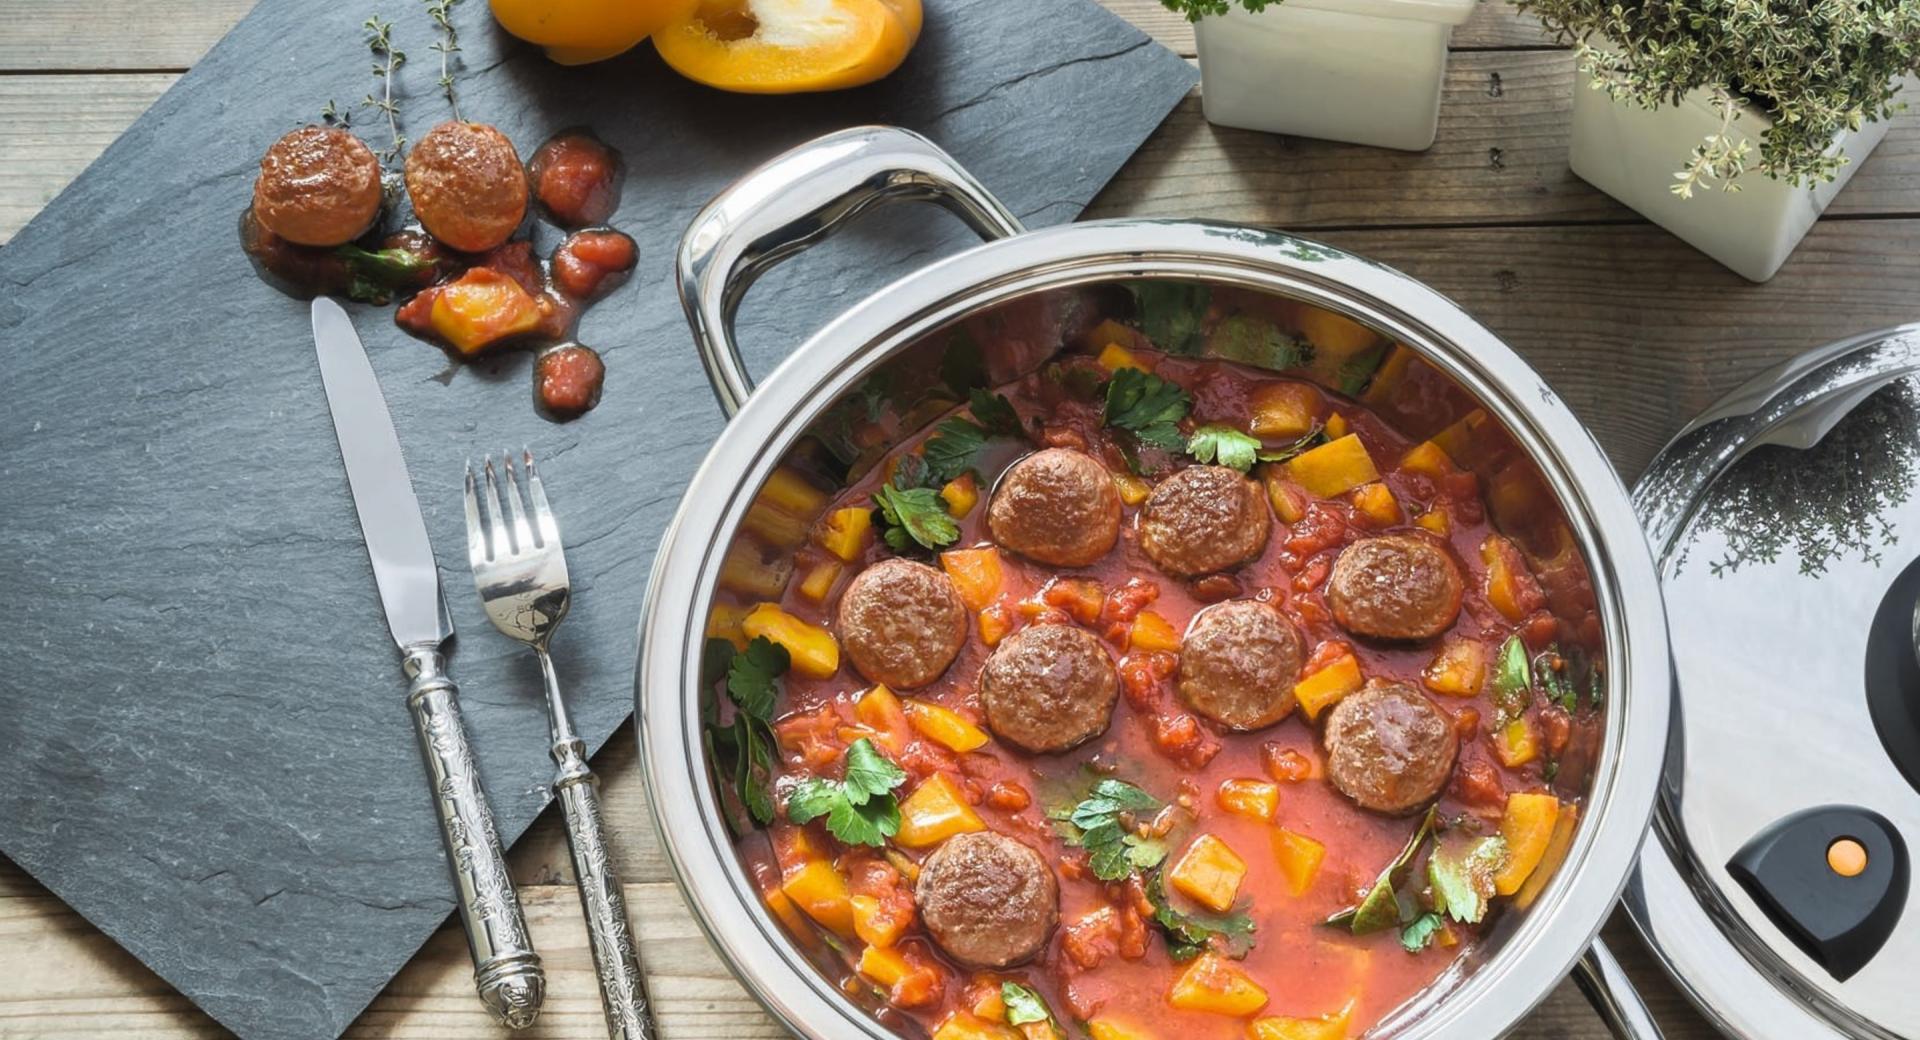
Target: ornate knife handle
[623,989]
[506,971]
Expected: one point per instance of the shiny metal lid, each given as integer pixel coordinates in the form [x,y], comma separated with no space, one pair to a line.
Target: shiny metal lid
[1787,530]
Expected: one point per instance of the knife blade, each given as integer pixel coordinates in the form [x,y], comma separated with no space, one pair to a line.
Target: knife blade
[506,971]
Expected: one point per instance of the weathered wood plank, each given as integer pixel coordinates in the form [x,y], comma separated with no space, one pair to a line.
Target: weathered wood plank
[172,34]
[66,980]
[51,127]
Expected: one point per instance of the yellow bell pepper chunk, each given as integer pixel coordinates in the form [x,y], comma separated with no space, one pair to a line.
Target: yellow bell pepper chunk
[1133,490]
[786,504]
[1325,1027]
[945,727]
[1337,427]
[1459,669]
[883,965]
[1299,857]
[813,649]
[723,622]
[1437,520]
[1114,357]
[1503,586]
[1375,501]
[1557,846]
[789,46]
[1289,499]
[963,1026]
[1209,873]
[1527,825]
[782,908]
[1110,1029]
[1333,333]
[961,494]
[575,32]
[934,812]
[819,890]
[1515,744]
[875,928]
[1427,458]
[481,308]
[993,626]
[1213,983]
[1254,799]
[819,580]
[1283,409]
[1328,686]
[1457,440]
[845,532]
[1150,631]
[1333,468]
[880,711]
[976,573]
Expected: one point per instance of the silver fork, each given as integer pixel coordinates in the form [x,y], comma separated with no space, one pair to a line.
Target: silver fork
[521,574]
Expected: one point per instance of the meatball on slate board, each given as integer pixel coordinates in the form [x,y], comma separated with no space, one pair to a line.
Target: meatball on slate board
[988,900]
[318,186]
[467,185]
[1048,688]
[1389,748]
[1204,519]
[1056,506]
[902,623]
[223,385]
[1239,662]
[1395,586]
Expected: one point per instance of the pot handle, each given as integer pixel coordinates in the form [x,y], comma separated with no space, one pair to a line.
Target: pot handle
[1613,995]
[796,200]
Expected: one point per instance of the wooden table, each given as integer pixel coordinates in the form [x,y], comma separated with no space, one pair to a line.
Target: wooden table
[1637,331]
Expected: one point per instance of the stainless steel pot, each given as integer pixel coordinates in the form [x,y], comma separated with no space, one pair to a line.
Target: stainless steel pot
[1029,279]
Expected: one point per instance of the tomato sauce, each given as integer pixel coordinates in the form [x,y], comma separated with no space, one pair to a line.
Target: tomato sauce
[1105,962]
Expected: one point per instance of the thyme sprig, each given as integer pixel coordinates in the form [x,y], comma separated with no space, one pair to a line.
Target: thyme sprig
[441,11]
[387,60]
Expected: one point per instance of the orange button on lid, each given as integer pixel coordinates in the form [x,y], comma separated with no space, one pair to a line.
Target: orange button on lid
[1847,857]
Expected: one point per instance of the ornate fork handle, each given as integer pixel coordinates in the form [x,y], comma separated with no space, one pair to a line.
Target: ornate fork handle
[623,992]
[506,971]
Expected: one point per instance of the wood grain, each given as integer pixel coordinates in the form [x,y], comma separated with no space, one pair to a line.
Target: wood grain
[1494,25]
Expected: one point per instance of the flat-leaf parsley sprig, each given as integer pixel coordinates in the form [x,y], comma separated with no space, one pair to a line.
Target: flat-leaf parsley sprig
[860,808]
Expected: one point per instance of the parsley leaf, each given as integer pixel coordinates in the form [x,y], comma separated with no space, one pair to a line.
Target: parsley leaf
[951,450]
[1224,445]
[1381,908]
[1512,680]
[1189,935]
[995,412]
[914,515]
[744,748]
[1461,871]
[1258,342]
[1357,371]
[860,809]
[1095,824]
[1419,933]
[1170,313]
[1147,406]
[1026,1006]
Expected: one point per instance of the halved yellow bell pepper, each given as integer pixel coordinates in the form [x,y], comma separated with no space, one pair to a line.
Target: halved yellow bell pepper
[575,32]
[789,46]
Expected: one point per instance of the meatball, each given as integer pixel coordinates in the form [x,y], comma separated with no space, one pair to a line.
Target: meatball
[902,623]
[1048,687]
[987,900]
[1057,506]
[467,185]
[1239,662]
[1395,586]
[1389,748]
[318,186]
[1204,519]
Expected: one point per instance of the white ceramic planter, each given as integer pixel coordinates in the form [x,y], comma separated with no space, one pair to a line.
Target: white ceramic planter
[1365,71]
[1631,153]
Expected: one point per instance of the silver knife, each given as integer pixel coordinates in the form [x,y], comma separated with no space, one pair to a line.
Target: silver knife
[505,969]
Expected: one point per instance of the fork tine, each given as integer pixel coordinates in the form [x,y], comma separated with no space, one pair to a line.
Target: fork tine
[542,513]
[496,529]
[476,535]
[522,534]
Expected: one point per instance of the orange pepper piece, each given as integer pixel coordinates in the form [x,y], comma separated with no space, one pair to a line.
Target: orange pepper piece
[789,46]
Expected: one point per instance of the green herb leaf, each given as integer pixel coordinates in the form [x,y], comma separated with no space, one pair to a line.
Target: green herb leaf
[1224,445]
[1258,342]
[1094,824]
[952,450]
[860,809]
[1381,908]
[1190,934]
[1462,870]
[1357,371]
[1311,439]
[996,413]
[1419,933]
[743,749]
[913,516]
[752,677]
[1550,669]
[1512,681]
[1171,313]
[1147,406]
[1025,1006]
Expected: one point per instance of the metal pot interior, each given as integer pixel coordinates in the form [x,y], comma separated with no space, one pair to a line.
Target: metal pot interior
[1403,371]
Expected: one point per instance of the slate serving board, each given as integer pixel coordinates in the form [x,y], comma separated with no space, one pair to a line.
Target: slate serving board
[203,743]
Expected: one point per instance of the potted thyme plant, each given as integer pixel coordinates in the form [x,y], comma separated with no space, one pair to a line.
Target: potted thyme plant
[1364,71]
[1732,123]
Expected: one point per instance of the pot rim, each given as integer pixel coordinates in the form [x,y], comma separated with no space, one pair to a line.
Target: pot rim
[1537,948]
